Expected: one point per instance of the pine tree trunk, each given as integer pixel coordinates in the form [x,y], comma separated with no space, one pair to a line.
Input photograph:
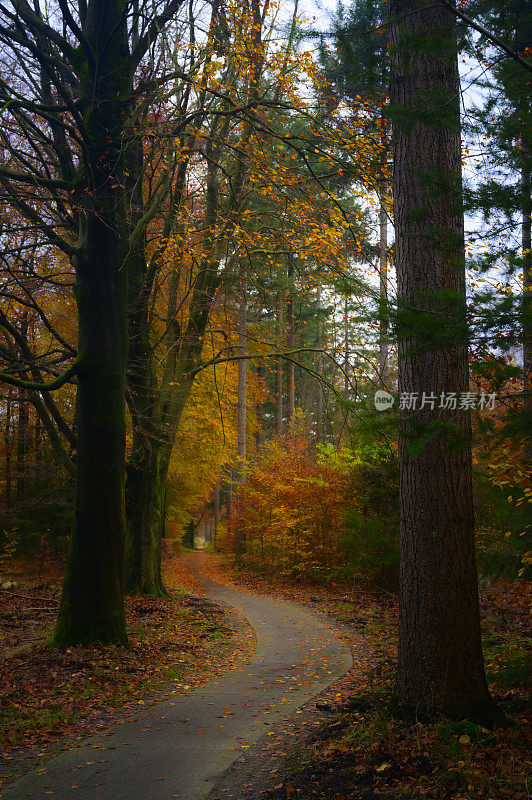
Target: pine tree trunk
[441,669]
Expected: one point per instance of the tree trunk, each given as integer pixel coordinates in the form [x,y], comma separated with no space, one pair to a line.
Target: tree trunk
[92,603]
[441,668]
[319,367]
[346,351]
[242,407]
[279,375]
[216,510]
[146,507]
[384,374]
[8,434]
[22,429]
[290,338]
[526,242]
[22,445]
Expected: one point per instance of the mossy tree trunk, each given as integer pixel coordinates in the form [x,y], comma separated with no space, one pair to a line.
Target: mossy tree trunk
[92,603]
[146,507]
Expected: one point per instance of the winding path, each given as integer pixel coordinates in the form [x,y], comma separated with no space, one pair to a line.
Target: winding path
[179,748]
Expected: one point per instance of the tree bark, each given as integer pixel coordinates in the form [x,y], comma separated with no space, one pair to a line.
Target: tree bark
[92,603]
[441,668]
[145,514]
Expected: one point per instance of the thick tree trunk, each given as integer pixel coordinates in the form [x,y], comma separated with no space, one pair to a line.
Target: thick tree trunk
[441,669]
[92,603]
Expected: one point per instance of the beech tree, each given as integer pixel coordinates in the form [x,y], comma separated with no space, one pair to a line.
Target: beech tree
[70,122]
[441,669]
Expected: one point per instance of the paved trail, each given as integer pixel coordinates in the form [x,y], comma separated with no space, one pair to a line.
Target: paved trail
[178,748]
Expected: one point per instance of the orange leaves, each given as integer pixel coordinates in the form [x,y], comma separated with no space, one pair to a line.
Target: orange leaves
[291,510]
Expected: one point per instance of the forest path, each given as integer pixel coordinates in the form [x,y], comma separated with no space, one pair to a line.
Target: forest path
[179,748]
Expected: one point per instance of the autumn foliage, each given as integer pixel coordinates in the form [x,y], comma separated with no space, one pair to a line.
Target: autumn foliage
[292,510]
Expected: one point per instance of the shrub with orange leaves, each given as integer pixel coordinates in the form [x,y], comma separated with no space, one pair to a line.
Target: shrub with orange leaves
[292,510]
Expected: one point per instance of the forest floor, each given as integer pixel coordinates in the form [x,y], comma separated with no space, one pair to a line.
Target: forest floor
[349,743]
[51,699]
[361,750]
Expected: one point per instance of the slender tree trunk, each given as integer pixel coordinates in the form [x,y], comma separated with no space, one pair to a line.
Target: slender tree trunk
[319,389]
[258,411]
[526,243]
[441,668]
[384,375]
[279,375]
[346,349]
[229,498]
[37,480]
[290,339]
[22,445]
[8,433]
[216,510]
[242,406]
[22,429]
